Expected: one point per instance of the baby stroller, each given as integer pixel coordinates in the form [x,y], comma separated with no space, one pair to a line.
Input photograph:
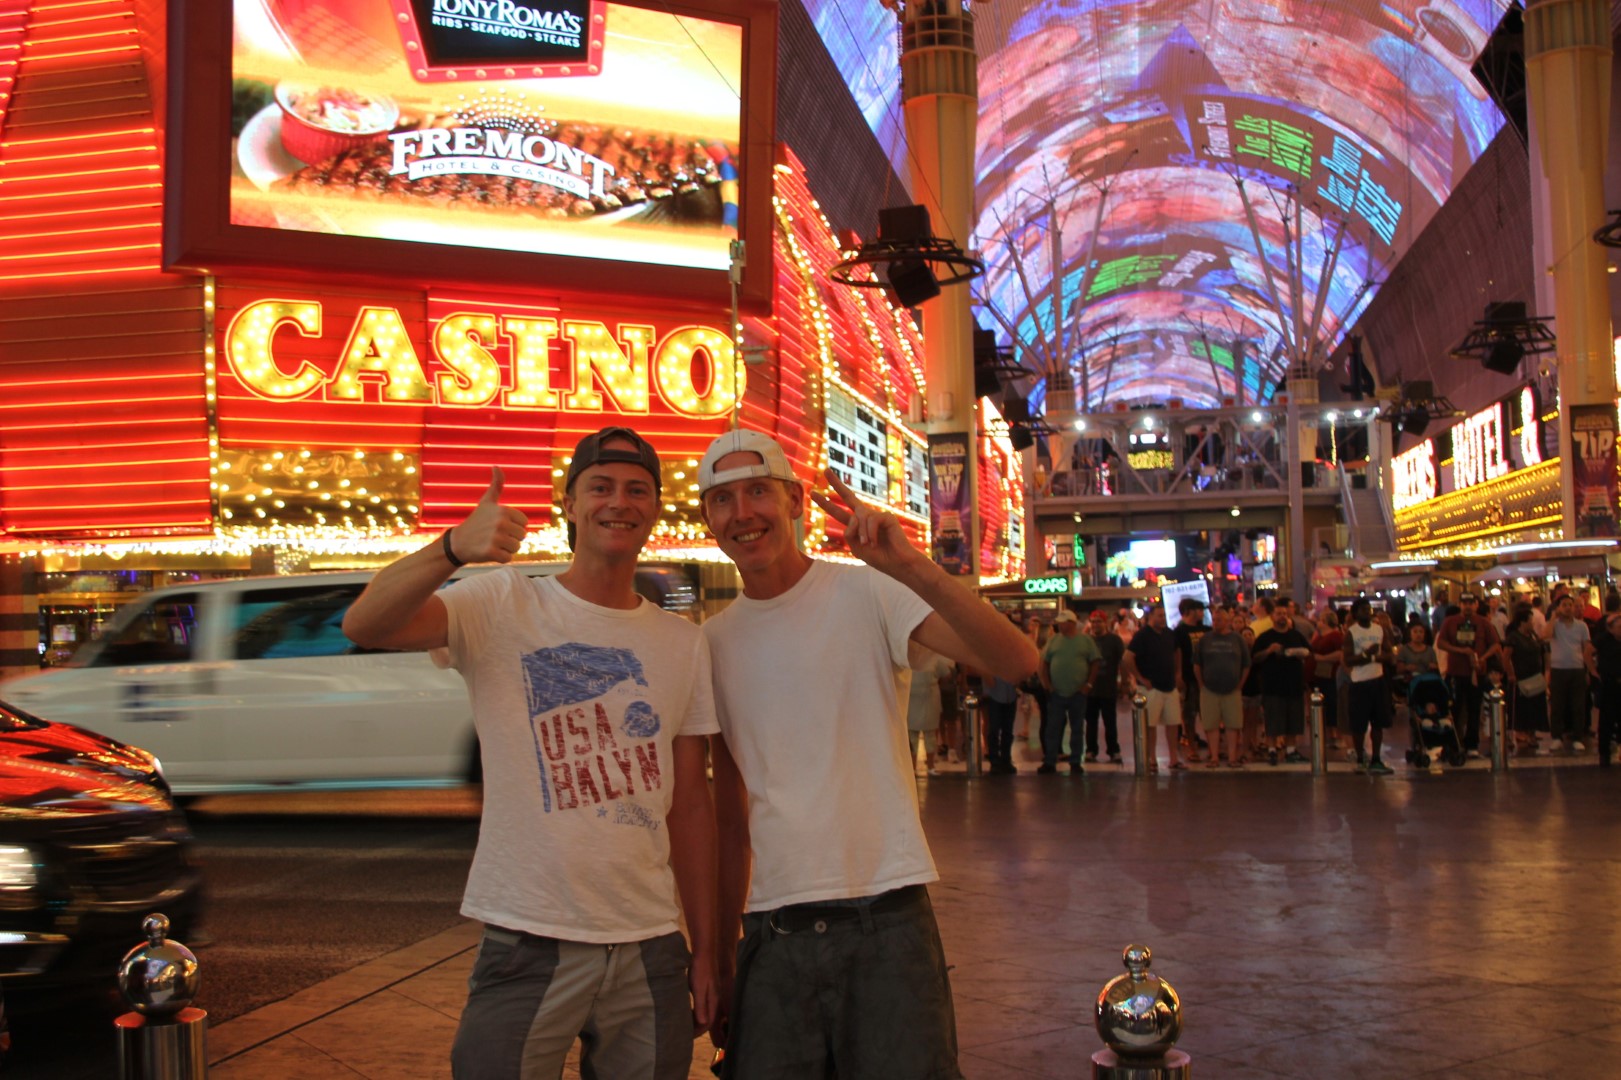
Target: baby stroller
[1429,712]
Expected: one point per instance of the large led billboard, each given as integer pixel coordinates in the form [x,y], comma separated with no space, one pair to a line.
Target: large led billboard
[1213,173]
[594,136]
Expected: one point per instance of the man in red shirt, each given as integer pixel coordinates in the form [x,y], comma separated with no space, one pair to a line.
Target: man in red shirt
[1468,643]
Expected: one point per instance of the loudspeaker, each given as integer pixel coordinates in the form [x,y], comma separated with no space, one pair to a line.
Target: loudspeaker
[904,223]
[912,282]
[1507,311]
[1015,409]
[986,382]
[1504,357]
[984,347]
[1415,421]
[1021,437]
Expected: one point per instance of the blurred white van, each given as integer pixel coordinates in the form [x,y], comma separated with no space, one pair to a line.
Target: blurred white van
[249,685]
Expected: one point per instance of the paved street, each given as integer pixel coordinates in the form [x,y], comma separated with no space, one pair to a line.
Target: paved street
[1347,927]
[300,887]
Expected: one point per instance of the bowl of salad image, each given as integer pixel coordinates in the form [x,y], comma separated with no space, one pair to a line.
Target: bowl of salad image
[320,122]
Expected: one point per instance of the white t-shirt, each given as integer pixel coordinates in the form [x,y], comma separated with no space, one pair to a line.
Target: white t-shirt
[1364,638]
[810,688]
[576,706]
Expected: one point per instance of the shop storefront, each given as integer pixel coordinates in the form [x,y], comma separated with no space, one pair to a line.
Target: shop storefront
[281,303]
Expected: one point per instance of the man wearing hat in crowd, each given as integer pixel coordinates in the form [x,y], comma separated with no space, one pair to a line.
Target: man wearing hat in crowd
[1067,663]
[840,971]
[1190,629]
[592,707]
[1469,642]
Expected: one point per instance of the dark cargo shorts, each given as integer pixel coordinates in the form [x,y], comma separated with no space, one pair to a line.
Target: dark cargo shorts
[852,992]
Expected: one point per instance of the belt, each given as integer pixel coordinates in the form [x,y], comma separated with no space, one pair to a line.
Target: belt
[795,918]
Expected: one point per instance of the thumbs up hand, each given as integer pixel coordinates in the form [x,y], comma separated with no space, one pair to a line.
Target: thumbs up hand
[492,532]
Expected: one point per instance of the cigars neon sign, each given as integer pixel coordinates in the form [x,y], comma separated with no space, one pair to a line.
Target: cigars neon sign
[483,358]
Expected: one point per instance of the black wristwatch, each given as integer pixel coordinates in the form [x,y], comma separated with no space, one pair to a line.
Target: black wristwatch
[450,554]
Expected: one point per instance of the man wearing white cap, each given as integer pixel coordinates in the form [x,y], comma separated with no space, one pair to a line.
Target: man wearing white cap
[840,971]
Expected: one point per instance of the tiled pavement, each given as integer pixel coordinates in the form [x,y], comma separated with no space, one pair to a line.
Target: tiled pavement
[1461,925]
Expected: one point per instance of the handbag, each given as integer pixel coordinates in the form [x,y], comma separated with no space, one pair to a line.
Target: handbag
[1532,686]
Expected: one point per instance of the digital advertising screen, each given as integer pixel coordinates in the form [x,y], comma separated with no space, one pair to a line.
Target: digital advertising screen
[577,131]
[1159,554]
[599,130]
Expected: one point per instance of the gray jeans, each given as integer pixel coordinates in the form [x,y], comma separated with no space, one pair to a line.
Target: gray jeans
[530,997]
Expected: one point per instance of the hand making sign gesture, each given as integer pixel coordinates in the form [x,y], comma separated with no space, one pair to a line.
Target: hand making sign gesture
[492,532]
[875,536]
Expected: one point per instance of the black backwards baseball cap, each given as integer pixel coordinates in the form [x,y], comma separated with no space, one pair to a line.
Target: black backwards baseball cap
[592,450]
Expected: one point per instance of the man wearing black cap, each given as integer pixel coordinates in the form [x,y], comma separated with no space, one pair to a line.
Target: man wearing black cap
[592,707]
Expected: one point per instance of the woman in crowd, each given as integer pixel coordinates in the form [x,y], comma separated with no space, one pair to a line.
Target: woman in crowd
[1528,671]
[951,746]
[1251,693]
[1032,695]
[1416,655]
[923,706]
[1326,647]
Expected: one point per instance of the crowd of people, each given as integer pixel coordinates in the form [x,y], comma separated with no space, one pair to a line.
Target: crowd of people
[1231,685]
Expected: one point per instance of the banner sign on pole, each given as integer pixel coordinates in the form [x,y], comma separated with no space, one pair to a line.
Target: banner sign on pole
[1592,466]
[951,505]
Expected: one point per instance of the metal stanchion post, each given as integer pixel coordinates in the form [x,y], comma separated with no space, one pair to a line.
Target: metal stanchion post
[1142,750]
[1494,724]
[970,708]
[1319,753]
[1139,1016]
[164,1038]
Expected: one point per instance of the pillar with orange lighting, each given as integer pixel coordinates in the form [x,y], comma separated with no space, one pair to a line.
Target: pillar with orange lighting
[940,89]
[1567,66]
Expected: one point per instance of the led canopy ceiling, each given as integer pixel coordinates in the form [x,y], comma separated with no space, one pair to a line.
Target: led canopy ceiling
[1133,155]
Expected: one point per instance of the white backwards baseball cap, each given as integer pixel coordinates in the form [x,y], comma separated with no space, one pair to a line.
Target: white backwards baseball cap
[773,462]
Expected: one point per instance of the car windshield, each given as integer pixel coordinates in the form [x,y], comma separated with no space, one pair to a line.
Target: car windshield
[14,719]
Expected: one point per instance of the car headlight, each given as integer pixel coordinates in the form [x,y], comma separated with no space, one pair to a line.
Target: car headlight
[19,868]
[158,777]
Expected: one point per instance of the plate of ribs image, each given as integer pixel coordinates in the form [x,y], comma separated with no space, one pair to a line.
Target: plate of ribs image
[659,177]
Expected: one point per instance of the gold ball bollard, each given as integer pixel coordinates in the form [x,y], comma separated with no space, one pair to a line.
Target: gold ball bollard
[164,1038]
[1139,1017]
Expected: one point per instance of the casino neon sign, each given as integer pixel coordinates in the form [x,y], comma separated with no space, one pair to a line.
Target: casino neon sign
[484,358]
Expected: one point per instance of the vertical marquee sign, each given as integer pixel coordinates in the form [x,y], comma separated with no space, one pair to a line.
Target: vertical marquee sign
[951,503]
[1592,467]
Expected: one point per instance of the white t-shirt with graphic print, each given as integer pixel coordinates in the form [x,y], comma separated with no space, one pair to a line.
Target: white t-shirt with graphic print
[576,707]
[811,689]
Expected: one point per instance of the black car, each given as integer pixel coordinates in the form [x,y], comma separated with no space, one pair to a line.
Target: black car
[90,844]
